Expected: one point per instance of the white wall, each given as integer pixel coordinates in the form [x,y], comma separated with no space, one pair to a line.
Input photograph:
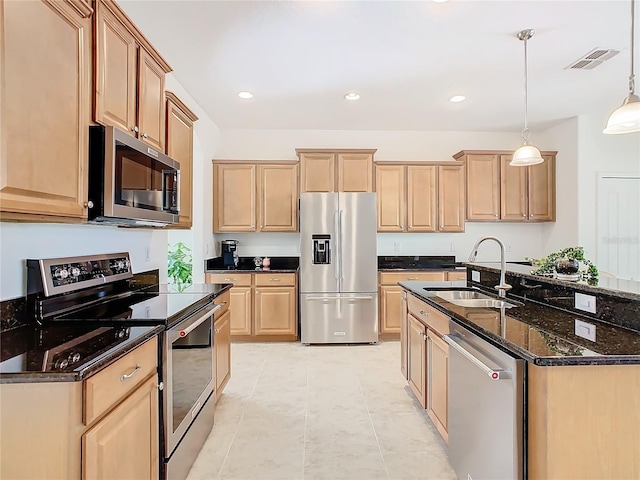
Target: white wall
[20,241]
[564,232]
[598,152]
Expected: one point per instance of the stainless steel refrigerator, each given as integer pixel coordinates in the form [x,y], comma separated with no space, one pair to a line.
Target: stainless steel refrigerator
[338,268]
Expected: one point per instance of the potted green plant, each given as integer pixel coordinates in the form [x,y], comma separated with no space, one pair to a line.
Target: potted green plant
[566,264]
[180,265]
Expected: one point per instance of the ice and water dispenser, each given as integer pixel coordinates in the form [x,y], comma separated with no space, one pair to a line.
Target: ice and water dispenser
[321,249]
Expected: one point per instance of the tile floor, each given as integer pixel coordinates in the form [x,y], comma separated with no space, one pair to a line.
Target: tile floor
[320,412]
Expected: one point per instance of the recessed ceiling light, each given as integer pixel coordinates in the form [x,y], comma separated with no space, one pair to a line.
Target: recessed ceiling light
[352,96]
[245,95]
[457,98]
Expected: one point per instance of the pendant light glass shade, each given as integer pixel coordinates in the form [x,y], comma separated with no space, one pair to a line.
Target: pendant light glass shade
[527,154]
[626,119]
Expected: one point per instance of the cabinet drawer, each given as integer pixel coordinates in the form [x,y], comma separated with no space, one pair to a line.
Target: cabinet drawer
[428,315]
[225,301]
[238,279]
[275,279]
[107,388]
[457,275]
[391,278]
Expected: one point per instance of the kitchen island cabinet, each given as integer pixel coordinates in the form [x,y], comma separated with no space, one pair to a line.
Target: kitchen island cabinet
[130,75]
[46,110]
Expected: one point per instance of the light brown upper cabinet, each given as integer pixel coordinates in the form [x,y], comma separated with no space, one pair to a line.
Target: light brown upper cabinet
[497,191]
[528,193]
[43,172]
[420,197]
[179,146]
[255,197]
[336,170]
[129,77]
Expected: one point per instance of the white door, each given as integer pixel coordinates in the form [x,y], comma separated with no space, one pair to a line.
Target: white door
[618,247]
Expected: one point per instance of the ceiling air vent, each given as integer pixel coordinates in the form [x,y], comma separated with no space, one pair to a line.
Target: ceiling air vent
[591,60]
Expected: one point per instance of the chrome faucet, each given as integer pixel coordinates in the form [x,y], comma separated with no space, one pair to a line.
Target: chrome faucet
[502,287]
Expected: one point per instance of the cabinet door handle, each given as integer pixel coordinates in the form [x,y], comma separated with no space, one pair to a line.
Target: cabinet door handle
[412,278]
[144,135]
[135,129]
[229,279]
[215,330]
[422,312]
[424,337]
[127,376]
[275,279]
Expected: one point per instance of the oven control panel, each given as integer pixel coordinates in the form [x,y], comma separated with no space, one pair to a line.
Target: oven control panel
[53,276]
[78,272]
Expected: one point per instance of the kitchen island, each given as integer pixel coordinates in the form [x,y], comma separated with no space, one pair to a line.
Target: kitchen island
[581,396]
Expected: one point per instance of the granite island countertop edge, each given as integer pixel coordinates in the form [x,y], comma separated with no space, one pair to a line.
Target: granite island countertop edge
[511,347]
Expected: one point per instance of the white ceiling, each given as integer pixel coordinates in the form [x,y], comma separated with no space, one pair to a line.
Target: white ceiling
[405,58]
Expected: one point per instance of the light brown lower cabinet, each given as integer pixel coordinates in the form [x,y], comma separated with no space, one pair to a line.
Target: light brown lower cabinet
[102,427]
[264,306]
[417,353]
[437,381]
[428,360]
[124,444]
[389,295]
[222,349]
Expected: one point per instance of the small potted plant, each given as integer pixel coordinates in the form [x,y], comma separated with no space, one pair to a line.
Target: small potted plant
[566,264]
[180,267]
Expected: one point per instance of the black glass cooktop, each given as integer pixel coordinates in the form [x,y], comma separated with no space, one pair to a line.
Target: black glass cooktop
[142,308]
[60,348]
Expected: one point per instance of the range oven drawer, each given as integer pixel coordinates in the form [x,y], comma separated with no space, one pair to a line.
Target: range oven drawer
[105,389]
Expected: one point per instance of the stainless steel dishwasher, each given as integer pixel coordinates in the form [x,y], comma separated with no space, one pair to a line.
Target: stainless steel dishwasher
[486,404]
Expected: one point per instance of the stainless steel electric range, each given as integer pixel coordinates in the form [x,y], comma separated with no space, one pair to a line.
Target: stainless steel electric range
[98,291]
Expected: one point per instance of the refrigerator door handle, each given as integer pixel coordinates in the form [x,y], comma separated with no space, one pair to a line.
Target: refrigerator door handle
[338,256]
[340,216]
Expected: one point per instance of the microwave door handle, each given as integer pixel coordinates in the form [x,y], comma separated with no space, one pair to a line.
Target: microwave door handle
[178,190]
[167,202]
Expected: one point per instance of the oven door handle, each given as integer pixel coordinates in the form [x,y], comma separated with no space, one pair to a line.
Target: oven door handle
[210,311]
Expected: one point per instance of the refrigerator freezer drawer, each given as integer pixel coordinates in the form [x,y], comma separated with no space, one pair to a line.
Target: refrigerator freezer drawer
[339,318]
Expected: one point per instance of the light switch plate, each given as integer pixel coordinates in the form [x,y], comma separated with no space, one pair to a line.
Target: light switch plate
[584,302]
[475,275]
[585,330]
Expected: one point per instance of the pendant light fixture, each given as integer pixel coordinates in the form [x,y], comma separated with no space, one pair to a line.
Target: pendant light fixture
[626,119]
[527,154]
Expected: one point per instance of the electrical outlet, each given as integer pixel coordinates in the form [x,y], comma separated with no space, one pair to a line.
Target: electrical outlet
[508,247]
[206,248]
[147,254]
[475,275]
[585,330]
[396,246]
[452,247]
[584,302]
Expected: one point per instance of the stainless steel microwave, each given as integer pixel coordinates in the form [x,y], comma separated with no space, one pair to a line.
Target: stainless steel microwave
[130,183]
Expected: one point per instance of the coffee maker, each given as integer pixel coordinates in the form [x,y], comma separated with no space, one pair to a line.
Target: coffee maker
[229,253]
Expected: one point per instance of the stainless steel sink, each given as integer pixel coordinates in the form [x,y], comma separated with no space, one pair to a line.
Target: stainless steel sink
[469,297]
[462,295]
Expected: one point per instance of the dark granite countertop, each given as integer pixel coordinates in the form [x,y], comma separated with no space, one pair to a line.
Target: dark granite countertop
[541,334]
[247,265]
[25,350]
[404,262]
